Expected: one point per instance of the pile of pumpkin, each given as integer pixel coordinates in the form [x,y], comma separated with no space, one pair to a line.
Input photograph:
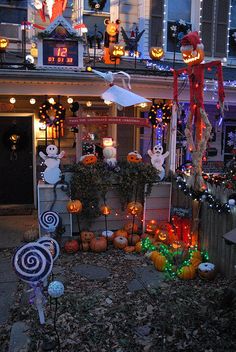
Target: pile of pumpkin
[121,239]
[187,270]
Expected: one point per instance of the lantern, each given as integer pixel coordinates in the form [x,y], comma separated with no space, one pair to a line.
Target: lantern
[156,53]
[74,206]
[105,210]
[134,208]
[4,42]
[117,50]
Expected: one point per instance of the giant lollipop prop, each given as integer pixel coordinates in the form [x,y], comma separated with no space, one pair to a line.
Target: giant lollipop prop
[33,264]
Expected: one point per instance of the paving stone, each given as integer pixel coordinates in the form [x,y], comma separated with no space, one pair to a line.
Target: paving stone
[6,271]
[19,340]
[146,276]
[7,292]
[92,272]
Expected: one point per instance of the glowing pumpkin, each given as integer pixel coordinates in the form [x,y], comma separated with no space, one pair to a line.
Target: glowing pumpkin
[105,210]
[156,53]
[192,49]
[4,42]
[134,208]
[74,206]
[151,227]
[117,50]
[89,159]
[134,157]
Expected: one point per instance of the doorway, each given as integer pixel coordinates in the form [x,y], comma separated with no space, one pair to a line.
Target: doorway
[16,160]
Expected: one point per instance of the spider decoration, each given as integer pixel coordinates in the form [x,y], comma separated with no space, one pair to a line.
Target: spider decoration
[51,114]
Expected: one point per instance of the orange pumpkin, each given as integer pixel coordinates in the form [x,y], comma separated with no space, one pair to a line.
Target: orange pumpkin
[162,236]
[195,262]
[134,208]
[129,249]
[133,239]
[156,53]
[121,233]
[129,226]
[87,236]
[197,254]
[74,206]
[159,261]
[120,242]
[89,159]
[71,246]
[98,244]
[187,272]
[138,247]
[134,157]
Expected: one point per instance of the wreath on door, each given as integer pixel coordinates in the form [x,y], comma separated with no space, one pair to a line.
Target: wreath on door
[51,114]
[97,5]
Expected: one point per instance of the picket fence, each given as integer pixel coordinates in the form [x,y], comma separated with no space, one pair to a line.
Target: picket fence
[212,227]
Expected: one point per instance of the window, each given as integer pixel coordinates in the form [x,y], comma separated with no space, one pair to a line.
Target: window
[232,30]
[178,23]
[105,9]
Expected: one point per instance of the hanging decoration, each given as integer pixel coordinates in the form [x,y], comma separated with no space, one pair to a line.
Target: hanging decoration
[97,5]
[192,52]
[51,114]
[160,112]
[118,95]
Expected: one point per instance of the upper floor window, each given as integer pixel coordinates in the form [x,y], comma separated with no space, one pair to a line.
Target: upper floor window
[178,22]
[106,7]
[232,30]
[13,11]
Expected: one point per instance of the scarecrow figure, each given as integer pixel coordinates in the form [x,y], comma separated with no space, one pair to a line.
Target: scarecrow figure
[193,54]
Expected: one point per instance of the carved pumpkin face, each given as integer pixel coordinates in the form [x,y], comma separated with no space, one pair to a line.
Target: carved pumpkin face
[74,206]
[3,43]
[134,157]
[89,159]
[156,53]
[117,50]
[193,57]
[151,227]
[134,208]
[87,236]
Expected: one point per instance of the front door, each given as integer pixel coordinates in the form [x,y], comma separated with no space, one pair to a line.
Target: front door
[16,160]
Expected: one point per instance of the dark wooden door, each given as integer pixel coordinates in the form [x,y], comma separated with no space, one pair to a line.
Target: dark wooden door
[16,160]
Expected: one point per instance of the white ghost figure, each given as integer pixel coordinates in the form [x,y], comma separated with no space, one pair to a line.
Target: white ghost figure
[157,159]
[52,173]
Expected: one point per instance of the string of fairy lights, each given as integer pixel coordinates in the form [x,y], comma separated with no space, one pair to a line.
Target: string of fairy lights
[204,196]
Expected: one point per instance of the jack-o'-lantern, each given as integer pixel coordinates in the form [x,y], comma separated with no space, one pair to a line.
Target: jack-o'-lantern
[130,227]
[162,236]
[117,50]
[134,157]
[192,49]
[105,210]
[176,245]
[87,236]
[151,227]
[74,206]
[89,159]
[134,208]
[4,42]
[156,53]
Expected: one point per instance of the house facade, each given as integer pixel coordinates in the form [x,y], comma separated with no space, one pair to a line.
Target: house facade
[25,85]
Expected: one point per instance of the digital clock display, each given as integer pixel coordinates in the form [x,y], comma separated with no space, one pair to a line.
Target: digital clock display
[60,53]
